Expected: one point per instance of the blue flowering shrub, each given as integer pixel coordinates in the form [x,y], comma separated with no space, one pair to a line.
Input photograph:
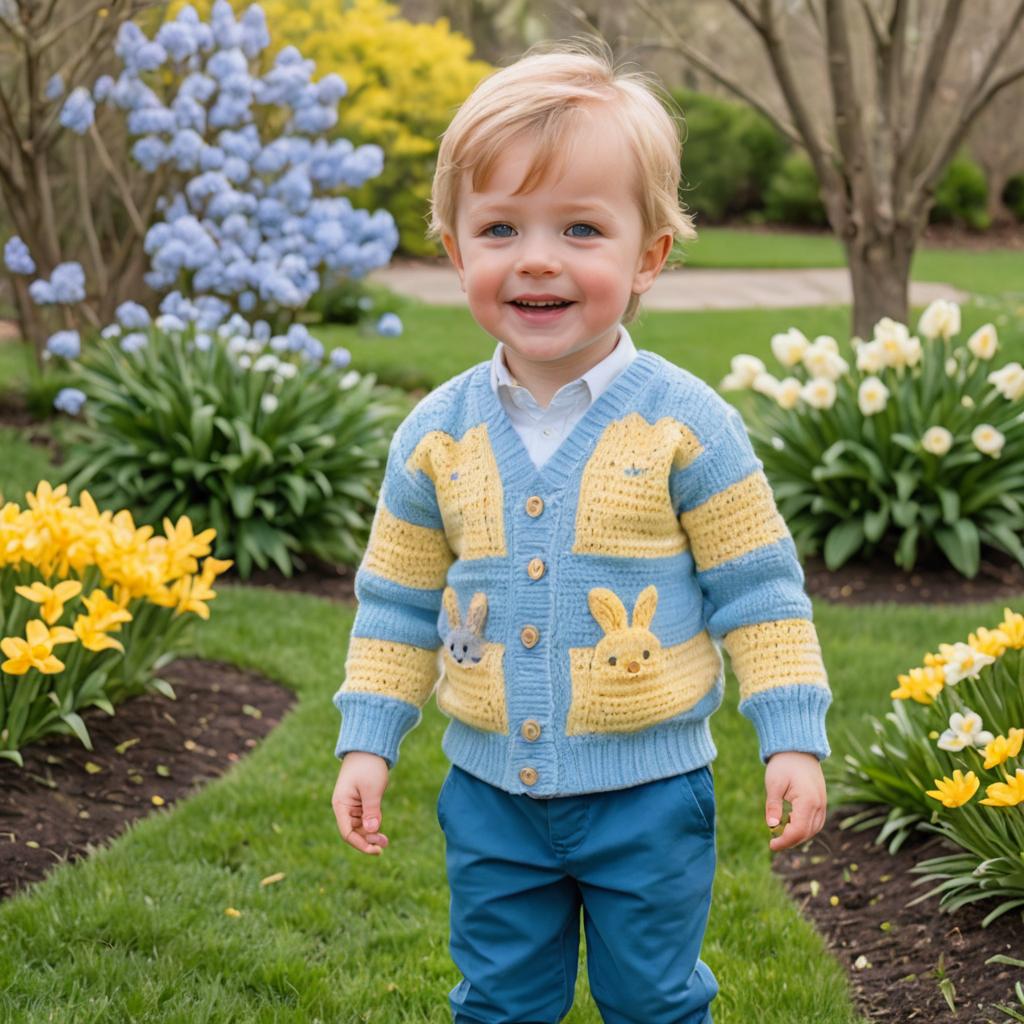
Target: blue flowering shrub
[276,446]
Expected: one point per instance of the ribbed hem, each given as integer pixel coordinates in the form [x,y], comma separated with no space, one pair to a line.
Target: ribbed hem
[374,724]
[584,764]
[790,718]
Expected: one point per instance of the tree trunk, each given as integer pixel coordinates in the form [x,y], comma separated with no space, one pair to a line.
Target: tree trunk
[880,276]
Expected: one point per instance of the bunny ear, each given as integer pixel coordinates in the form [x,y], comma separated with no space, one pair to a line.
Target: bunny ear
[643,610]
[451,606]
[607,609]
[477,614]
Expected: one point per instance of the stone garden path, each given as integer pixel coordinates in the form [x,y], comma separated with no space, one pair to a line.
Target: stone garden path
[438,284]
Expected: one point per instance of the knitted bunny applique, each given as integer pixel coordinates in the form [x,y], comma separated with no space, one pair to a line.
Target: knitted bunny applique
[622,684]
[472,683]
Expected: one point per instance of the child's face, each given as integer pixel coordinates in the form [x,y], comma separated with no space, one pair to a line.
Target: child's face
[577,239]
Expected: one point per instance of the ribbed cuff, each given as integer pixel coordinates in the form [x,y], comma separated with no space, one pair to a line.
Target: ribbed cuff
[373,723]
[790,718]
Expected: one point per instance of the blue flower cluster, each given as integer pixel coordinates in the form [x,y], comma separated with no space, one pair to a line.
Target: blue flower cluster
[256,222]
[78,111]
[69,400]
[66,285]
[17,257]
[65,344]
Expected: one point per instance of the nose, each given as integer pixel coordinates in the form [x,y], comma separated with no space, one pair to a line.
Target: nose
[633,666]
[537,256]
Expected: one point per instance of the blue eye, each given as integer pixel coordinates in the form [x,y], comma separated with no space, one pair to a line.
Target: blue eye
[493,226]
[487,230]
[588,227]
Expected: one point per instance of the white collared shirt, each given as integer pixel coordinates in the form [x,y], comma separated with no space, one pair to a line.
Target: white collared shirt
[543,430]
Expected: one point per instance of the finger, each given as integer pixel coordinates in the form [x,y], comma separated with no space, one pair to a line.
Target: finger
[372,816]
[361,843]
[773,809]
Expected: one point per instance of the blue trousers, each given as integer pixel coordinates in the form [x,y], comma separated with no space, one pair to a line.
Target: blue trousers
[639,861]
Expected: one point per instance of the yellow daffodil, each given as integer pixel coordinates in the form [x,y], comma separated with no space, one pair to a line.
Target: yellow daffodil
[920,684]
[956,791]
[1006,794]
[50,598]
[193,592]
[183,546]
[992,642]
[214,567]
[91,632]
[48,499]
[107,614]
[1013,626]
[37,650]
[1002,747]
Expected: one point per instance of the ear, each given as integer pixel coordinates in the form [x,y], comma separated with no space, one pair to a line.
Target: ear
[643,610]
[606,607]
[451,606]
[652,260]
[451,246]
[477,614]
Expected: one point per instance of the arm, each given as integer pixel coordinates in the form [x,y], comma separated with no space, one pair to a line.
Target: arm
[752,583]
[391,666]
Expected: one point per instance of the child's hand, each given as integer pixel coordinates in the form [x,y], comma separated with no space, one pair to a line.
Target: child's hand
[794,776]
[357,795]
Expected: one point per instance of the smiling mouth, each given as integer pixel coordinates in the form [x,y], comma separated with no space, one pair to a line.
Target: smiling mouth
[552,305]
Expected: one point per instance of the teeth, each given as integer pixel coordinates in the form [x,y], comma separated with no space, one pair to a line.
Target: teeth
[541,305]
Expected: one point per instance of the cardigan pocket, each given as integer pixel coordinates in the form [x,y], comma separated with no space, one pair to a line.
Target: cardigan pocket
[472,683]
[629,681]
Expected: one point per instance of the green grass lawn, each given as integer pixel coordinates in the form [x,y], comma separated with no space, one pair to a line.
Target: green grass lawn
[988,272]
[139,932]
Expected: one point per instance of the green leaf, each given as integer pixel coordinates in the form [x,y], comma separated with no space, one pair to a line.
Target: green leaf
[906,550]
[842,541]
[961,545]
[950,502]
[875,522]
[906,483]
[243,496]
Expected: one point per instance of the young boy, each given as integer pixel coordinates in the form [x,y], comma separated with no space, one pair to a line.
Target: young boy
[566,534]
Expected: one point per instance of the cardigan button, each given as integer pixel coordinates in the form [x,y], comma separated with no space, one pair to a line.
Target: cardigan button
[530,729]
[528,776]
[535,569]
[529,635]
[534,505]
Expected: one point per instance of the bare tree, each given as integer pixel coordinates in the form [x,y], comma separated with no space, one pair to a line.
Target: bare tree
[67,196]
[888,134]
[997,142]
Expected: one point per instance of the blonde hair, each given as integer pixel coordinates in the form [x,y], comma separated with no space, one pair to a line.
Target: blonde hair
[541,96]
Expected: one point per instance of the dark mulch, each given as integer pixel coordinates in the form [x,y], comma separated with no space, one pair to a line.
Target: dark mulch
[54,809]
[321,578]
[931,582]
[898,982]
[14,412]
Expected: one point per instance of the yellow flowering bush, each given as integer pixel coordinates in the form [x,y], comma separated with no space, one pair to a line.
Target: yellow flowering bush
[71,577]
[948,759]
[901,446]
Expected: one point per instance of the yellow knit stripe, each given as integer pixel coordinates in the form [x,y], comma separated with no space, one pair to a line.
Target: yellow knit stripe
[390,669]
[414,556]
[777,653]
[734,522]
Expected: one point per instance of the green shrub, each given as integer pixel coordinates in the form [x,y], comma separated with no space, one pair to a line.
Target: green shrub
[915,446]
[1013,196]
[730,153]
[792,195]
[961,195]
[267,442]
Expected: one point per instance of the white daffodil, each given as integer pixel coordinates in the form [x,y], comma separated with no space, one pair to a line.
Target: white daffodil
[941,318]
[766,384]
[912,351]
[871,357]
[237,345]
[964,731]
[268,403]
[937,440]
[1009,381]
[988,440]
[872,396]
[819,392]
[788,392]
[898,348]
[745,368]
[962,661]
[245,361]
[349,380]
[266,363]
[287,370]
[777,443]
[951,367]
[789,348]
[967,402]
[822,361]
[983,342]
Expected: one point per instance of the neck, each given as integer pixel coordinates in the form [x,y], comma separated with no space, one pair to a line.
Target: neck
[543,379]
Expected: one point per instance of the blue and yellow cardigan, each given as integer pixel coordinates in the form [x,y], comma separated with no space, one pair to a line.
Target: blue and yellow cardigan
[571,617]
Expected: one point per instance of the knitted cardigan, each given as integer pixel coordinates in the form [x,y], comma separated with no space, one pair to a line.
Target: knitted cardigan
[571,618]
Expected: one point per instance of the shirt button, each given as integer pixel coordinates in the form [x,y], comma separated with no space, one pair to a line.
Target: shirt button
[530,729]
[528,776]
[534,505]
[535,569]
[547,431]
[529,635]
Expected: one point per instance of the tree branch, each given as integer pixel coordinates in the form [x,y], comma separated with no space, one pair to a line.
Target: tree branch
[711,68]
[933,69]
[877,32]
